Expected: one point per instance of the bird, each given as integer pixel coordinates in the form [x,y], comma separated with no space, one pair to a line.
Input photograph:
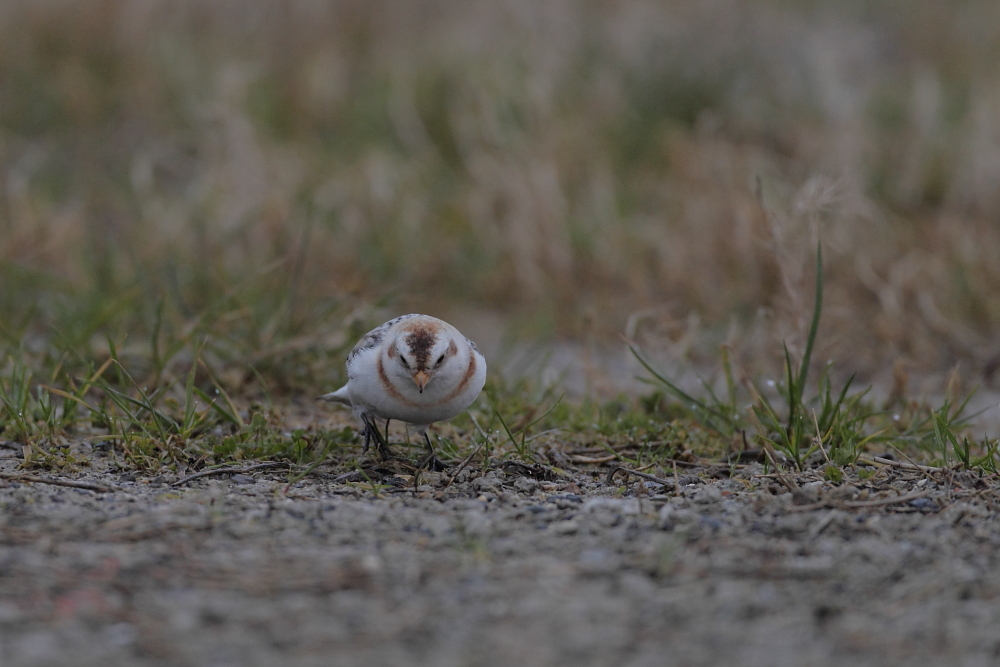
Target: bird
[414,368]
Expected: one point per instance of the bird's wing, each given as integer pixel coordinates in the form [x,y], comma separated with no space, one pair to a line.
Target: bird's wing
[374,337]
[474,347]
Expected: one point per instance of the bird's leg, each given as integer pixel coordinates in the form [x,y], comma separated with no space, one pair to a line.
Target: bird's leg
[367,432]
[371,433]
[431,462]
[382,443]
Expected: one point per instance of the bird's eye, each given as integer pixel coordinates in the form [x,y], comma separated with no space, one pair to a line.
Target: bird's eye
[440,360]
[402,360]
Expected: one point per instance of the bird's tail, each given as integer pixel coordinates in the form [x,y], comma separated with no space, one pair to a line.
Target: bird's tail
[339,396]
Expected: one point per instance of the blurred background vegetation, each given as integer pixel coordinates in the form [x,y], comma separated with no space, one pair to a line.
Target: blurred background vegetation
[273,177]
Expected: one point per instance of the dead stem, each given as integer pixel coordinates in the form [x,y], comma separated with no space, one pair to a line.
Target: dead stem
[226,470]
[858,504]
[18,477]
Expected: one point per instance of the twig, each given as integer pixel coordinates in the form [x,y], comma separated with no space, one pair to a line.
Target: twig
[353,476]
[911,461]
[610,479]
[462,465]
[223,471]
[740,458]
[818,439]
[18,477]
[772,456]
[577,458]
[859,504]
[535,470]
[690,464]
[904,465]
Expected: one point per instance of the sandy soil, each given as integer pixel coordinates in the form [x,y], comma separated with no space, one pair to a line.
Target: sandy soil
[501,568]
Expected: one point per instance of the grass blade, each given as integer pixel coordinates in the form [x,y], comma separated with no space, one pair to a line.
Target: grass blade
[813,326]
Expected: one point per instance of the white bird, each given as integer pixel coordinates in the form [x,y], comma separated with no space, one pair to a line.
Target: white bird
[414,368]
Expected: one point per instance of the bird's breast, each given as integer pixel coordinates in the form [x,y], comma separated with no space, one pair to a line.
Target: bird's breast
[391,396]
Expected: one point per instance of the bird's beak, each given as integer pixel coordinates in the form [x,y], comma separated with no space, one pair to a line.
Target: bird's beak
[420,378]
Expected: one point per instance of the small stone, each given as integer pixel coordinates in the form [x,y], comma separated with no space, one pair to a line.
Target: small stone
[568,527]
[41,646]
[488,483]
[525,485]
[710,522]
[433,478]
[844,492]
[671,517]
[924,504]
[10,613]
[239,478]
[807,494]
[594,556]
[597,561]
[707,495]
[120,634]
[616,505]
[566,501]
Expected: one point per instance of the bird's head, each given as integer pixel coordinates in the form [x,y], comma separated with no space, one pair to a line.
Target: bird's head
[422,352]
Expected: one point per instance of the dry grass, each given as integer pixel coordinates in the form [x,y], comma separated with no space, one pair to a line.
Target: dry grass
[266,169]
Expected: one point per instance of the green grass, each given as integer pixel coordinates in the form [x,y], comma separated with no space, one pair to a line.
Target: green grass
[834,422]
[164,405]
[194,228]
[189,422]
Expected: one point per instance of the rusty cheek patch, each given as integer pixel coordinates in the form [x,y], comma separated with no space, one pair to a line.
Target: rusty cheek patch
[452,349]
[421,342]
[469,372]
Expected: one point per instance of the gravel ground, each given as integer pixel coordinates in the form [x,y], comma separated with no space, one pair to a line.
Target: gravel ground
[502,568]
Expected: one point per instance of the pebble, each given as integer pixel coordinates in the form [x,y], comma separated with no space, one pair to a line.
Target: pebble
[487,483]
[707,495]
[671,516]
[567,527]
[525,485]
[10,613]
[925,504]
[616,505]
[120,634]
[336,557]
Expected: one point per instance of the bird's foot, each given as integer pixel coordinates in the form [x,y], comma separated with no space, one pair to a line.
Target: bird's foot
[371,433]
[432,464]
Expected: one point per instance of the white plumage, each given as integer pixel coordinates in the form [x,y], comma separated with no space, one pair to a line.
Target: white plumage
[415,368]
